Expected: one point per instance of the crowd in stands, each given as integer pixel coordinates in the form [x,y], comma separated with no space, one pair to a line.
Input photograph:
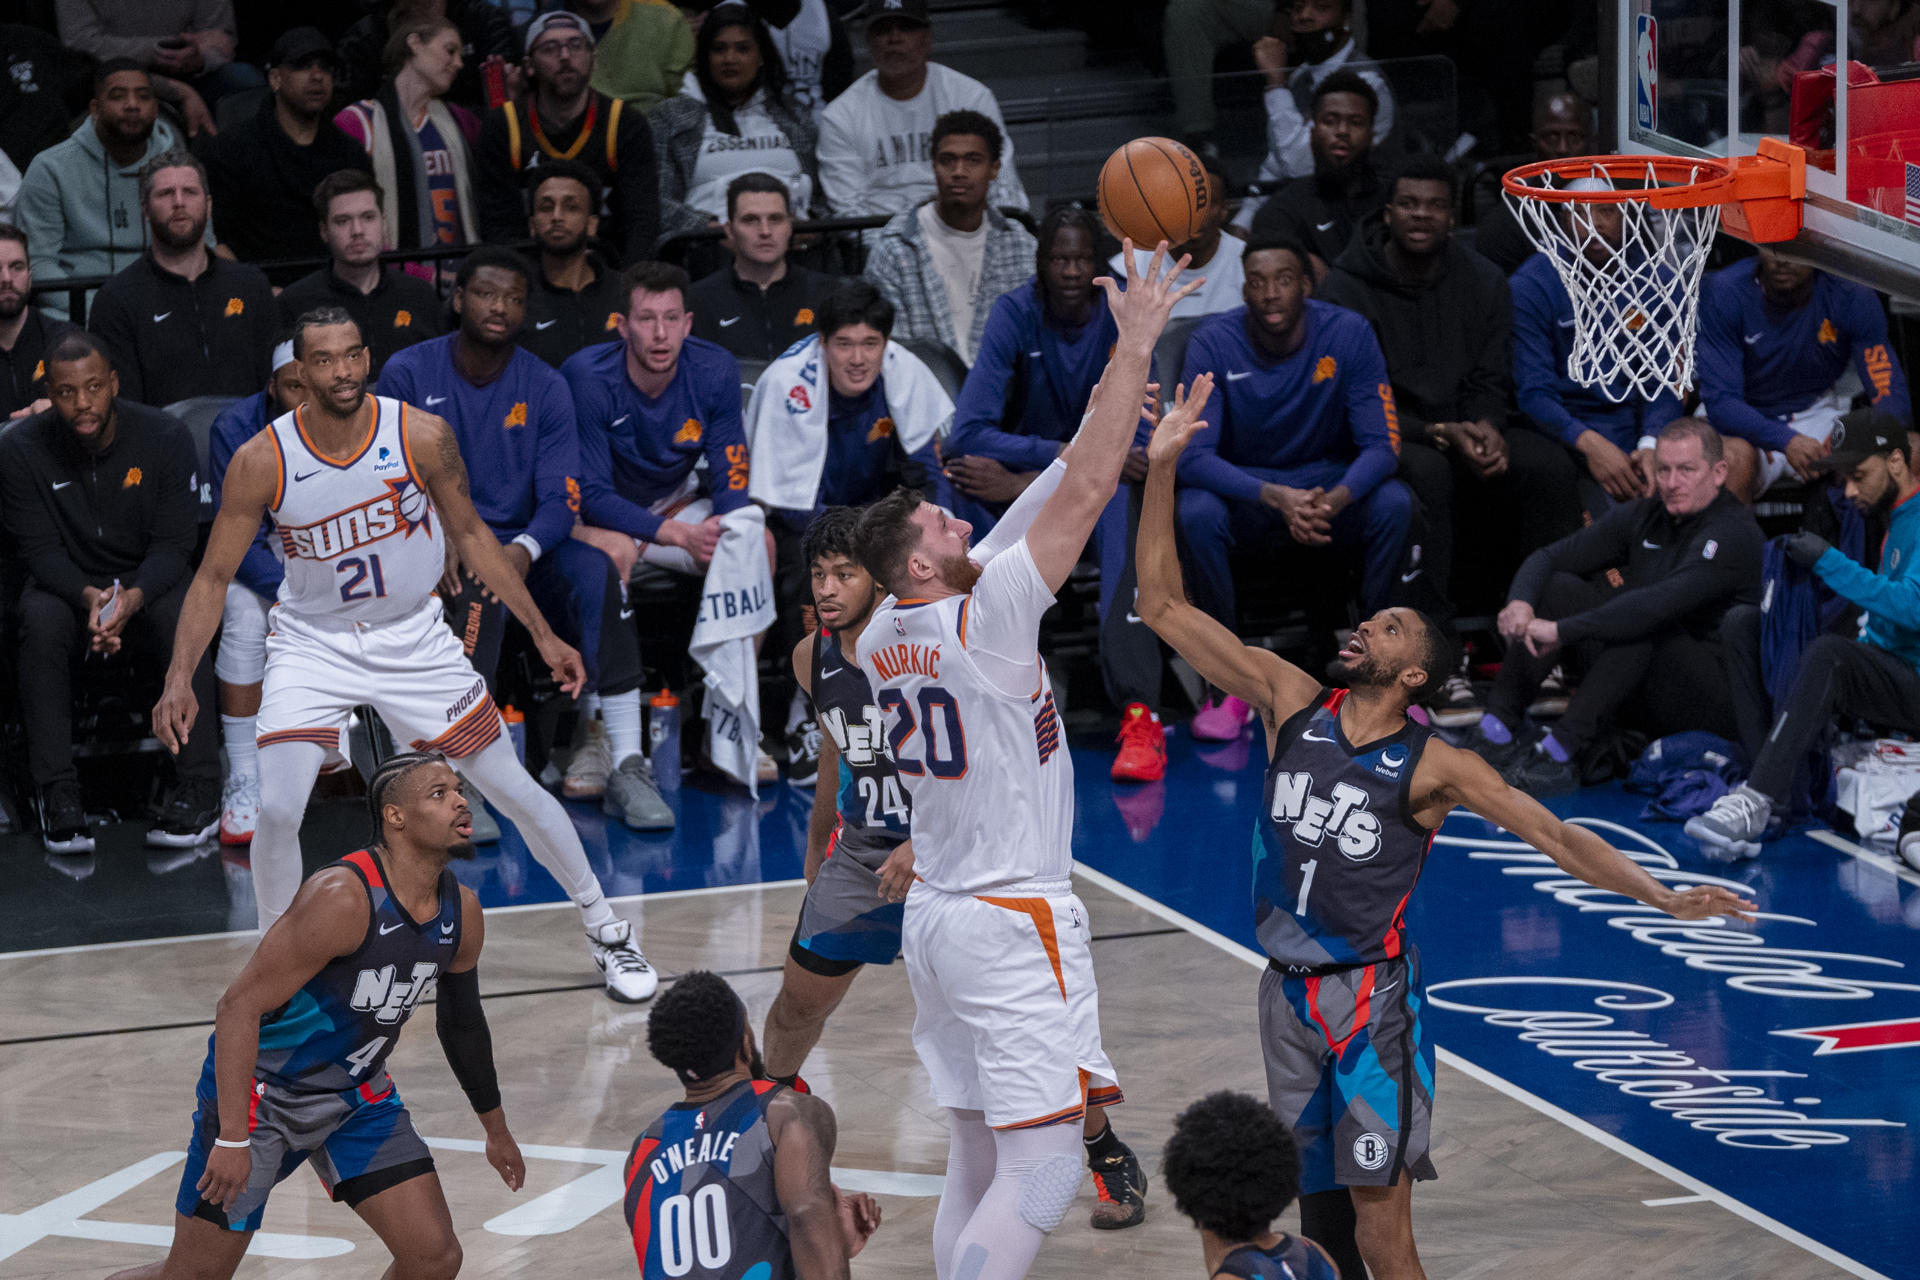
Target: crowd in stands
[598,272]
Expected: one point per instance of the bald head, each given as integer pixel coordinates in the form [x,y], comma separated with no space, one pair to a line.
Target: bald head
[1562,127]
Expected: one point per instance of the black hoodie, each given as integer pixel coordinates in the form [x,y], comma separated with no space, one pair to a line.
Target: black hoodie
[1447,340]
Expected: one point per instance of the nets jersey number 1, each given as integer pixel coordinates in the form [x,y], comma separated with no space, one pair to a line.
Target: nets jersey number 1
[862,744]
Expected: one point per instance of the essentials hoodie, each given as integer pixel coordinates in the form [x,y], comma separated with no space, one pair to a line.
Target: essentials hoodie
[81,212]
[1448,339]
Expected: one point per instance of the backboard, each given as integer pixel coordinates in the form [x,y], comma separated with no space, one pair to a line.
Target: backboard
[1713,77]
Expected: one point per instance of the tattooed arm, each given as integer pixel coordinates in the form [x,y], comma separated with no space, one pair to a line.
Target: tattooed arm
[437,455]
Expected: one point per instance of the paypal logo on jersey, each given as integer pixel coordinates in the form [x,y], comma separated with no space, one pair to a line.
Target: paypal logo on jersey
[1344,816]
[386,462]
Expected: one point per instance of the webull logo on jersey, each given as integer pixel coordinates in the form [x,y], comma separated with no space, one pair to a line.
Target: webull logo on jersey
[376,992]
[1355,831]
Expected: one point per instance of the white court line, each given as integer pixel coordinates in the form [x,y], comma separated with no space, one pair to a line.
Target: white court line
[232,934]
[1885,862]
[1670,1200]
[1620,1147]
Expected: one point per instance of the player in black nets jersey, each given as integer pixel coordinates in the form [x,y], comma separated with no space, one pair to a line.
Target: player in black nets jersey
[1233,1168]
[733,1183]
[295,1066]
[1354,793]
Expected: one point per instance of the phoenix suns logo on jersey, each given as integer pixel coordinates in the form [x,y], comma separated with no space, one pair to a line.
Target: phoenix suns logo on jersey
[402,509]
[1344,817]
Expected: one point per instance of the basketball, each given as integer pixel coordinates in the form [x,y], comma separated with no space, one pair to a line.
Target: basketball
[1154,189]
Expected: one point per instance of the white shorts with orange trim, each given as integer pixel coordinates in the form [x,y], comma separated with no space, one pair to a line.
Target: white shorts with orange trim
[412,671]
[1008,1011]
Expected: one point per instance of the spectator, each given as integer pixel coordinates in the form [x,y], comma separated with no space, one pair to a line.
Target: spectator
[1301,445]
[1883,33]
[944,262]
[262,171]
[1445,324]
[876,138]
[1562,129]
[1321,209]
[1491,44]
[418,141]
[514,421]
[1684,556]
[1193,34]
[1044,347]
[101,499]
[644,49]
[814,46]
[187,40]
[392,308]
[760,304]
[1873,677]
[80,199]
[483,29]
[1610,429]
[1775,338]
[240,662]
[26,331]
[742,120]
[564,117]
[1320,42]
[574,298]
[183,321]
[1215,255]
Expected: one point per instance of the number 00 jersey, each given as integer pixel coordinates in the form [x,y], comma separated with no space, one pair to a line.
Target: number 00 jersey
[873,805]
[701,1202]
[338,1029]
[357,534]
[1336,852]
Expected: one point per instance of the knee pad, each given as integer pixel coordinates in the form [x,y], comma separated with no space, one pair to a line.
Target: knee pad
[1047,1189]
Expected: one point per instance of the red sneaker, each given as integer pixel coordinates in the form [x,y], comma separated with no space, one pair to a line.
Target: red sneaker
[1143,746]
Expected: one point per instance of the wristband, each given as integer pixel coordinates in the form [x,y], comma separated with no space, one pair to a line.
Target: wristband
[1646,442]
[239,1144]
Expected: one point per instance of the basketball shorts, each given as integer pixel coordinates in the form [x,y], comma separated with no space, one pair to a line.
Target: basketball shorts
[361,1142]
[688,506]
[242,655]
[1007,1017]
[1349,1067]
[1815,422]
[411,670]
[844,923]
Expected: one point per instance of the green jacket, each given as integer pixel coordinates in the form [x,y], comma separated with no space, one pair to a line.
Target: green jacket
[645,53]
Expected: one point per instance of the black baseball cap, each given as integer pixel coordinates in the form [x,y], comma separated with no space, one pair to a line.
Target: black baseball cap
[1859,435]
[913,12]
[301,46]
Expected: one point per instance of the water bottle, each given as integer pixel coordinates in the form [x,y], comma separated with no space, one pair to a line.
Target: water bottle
[516,732]
[663,739]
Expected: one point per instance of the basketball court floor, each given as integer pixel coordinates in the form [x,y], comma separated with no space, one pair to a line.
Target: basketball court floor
[1617,1095]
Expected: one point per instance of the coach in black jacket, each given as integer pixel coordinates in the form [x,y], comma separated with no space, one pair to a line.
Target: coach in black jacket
[100,494]
[1632,604]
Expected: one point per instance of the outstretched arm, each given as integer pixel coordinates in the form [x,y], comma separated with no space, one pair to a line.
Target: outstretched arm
[1261,679]
[1449,776]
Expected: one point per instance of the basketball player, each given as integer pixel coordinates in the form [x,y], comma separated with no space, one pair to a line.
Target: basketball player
[1008,1021]
[1353,796]
[295,1067]
[365,493]
[733,1183]
[1233,1168]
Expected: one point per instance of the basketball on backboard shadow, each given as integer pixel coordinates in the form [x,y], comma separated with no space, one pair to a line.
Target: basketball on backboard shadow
[1154,189]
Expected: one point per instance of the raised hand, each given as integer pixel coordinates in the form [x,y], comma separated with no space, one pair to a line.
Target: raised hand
[1140,311]
[1178,424]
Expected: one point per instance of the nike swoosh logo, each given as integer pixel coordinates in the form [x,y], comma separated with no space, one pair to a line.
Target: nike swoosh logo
[1753,337]
[1235,377]
[836,671]
[1378,991]
[1566,324]
[1651,546]
[386,929]
[622,418]
[1324,226]
[162,316]
[1311,736]
[545,324]
[63,484]
[1409,577]
[1132,616]
[304,475]
[1033,355]
[434,400]
[725,323]
[625,614]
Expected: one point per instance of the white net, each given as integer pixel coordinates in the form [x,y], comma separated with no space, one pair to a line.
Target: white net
[1632,272]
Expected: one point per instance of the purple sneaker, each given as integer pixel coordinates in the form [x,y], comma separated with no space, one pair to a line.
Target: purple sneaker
[1221,721]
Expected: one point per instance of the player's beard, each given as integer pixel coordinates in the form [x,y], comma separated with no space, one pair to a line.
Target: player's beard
[959,573]
[1364,672]
[164,235]
[12,303]
[563,248]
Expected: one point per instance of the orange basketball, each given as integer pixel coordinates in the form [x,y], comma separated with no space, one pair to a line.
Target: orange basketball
[1154,189]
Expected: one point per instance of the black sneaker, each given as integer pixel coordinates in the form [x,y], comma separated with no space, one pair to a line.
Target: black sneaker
[1122,1188]
[803,754]
[1539,774]
[187,814]
[63,819]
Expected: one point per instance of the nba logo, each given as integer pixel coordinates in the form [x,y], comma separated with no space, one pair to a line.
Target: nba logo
[899,627]
[1646,73]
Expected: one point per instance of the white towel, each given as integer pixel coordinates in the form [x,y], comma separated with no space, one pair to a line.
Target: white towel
[787,419]
[736,605]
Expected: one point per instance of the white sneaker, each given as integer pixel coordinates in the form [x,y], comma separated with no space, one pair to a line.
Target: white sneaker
[1733,827]
[630,979]
[1458,705]
[592,761]
[239,809]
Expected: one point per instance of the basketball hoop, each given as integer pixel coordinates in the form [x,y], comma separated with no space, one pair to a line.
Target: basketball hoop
[1629,237]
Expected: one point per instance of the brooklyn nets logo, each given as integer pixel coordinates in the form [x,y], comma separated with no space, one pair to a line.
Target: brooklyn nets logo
[1370,1151]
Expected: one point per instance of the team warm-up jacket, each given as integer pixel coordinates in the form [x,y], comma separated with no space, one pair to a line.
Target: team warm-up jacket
[1679,573]
[756,323]
[401,310]
[172,338]
[563,321]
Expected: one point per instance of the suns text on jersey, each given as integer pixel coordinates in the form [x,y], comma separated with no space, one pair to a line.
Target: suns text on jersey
[705,1149]
[898,660]
[342,532]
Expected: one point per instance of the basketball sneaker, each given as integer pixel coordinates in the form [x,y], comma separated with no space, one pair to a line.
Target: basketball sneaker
[189,812]
[1733,827]
[634,798]
[1122,1188]
[1458,705]
[1143,746]
[1539,774]
[239,808]
[63,819]
[630,979]
[1550,699]
[592,761]
[1222,720]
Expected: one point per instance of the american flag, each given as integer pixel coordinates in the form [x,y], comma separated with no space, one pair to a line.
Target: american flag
[1913,192]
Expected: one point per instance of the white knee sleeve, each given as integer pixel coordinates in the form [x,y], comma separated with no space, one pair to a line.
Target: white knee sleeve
[242,655]
[1048,1189]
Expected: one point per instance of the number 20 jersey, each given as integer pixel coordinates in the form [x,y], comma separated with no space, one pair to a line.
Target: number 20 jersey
[358,535]
[868,786]
[1336,852]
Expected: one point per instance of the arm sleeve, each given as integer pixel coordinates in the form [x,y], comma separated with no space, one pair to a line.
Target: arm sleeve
[1896,600]
[725,443]
[111,323]
[1019,518]
[462,1023]
[843,177]
[556,469]
[1535,380]
[35,535]
[260,570]
[1488,387]
[638,185]
[176,515]
[1723,375]
[503,210]
[1873,358]
[1642,610]
[983,397]
[1287,145]
[1201,466]
[602,504]
[1371,417]
[1600,545]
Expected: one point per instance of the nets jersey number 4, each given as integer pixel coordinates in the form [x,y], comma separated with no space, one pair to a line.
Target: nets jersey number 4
[375,991]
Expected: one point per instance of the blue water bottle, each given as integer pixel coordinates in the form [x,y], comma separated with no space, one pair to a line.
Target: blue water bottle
[663,739]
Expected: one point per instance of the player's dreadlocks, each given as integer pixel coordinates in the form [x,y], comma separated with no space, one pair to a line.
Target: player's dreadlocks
[696,1025]
[1231,1165]
[390,772]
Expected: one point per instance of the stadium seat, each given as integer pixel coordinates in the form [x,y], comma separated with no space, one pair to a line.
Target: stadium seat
[947,367]
[198,412]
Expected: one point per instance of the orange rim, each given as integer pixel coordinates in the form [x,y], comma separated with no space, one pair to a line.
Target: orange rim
[1679,181]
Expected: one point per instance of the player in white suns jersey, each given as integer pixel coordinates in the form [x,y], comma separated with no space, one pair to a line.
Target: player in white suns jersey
[996,943]
[366,494]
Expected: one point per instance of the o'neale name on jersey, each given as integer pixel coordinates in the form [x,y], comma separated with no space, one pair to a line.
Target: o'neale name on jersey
[899,660]
[705,1149]
[338,534]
